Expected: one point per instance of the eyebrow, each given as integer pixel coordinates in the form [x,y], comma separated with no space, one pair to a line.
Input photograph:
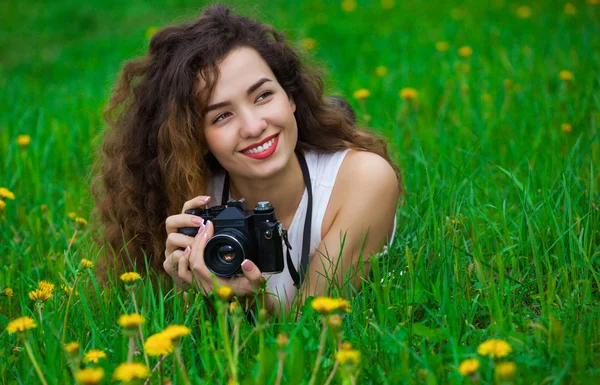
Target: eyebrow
[249,91]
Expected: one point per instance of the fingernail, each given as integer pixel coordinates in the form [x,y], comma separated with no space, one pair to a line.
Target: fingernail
[200,230]
[247,265]
[197,220]
[206,199]
[186,251]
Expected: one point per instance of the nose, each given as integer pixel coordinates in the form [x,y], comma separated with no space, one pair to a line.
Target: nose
[253,124]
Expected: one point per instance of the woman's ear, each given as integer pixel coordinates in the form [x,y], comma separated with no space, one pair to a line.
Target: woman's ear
[292,103]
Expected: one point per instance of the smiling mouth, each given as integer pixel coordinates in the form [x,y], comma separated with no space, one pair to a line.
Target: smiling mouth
[261,148]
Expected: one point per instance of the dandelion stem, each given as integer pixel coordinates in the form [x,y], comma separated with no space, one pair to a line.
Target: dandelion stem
[139,326]
[131,348]
[157,366]
[186,379]
[33,360]
[280,361]
[71,241]
[226,341]
[313,378]
[64,332]
[335,366]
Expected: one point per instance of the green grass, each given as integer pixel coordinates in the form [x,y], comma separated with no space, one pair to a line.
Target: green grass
[499,236]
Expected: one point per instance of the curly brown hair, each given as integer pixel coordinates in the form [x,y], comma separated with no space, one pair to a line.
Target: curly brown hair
[154,155]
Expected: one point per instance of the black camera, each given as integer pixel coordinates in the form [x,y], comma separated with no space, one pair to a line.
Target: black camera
[241,234]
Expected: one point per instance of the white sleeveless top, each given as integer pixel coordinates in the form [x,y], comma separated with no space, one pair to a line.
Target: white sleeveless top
[323,169]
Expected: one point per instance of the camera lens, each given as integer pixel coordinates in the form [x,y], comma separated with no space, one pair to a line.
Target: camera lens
[226,254]
[225,251]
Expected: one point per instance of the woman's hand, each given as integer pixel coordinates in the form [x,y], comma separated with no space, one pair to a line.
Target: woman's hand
[176,242]
[205,280]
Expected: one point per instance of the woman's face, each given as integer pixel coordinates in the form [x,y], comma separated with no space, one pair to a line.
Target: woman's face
[249,123]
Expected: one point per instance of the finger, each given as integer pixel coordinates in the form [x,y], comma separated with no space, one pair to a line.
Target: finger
[183,267]
[199,269]
[252,273]
[199,201]
[176,241]
[171,263]
[175,222]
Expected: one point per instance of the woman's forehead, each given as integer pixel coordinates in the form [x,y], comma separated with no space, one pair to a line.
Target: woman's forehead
[238,71]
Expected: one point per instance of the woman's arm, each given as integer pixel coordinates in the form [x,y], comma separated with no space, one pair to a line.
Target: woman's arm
[369,195]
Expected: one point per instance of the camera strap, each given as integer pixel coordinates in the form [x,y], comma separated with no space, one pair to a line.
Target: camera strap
[297,276]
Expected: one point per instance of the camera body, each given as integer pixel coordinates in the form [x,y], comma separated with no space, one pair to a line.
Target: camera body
[241,234]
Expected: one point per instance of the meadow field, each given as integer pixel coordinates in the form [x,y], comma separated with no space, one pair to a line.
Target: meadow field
[492,111]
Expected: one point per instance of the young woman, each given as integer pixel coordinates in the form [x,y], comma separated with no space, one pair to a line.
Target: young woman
[223,107]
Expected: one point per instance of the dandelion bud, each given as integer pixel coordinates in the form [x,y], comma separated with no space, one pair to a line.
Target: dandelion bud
[282,340]
[335,322]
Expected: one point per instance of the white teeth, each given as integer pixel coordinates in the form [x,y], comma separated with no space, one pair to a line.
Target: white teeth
[261,148]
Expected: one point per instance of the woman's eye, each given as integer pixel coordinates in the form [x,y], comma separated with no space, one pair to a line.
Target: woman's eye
[263,95]
[220,117]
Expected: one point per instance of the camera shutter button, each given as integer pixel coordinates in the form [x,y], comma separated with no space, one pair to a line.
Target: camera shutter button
[263,206]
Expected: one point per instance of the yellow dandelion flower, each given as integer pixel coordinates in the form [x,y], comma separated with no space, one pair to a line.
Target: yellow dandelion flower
[381,71]
[2,205]
[361,94]
[442,46]
[130,277]
[327,305]
[175,332]
[225,293]
[8,292]
[468,367]
[565,75]
[46,286]
[486,98]
[282,340]
[40,295]
[130,371]
[348,356]
[465,51]
[593,2]
[494,348]
[308,43]
[408,93]
[20,325]
[388,4]
[90,376]
[348,5]
[566,128]
[6,194]
[524,12]
[150,32]
[86,264]
[81,221]
[346,346]
[93,356]
[72,215]
[23,140]
[130,321]
[570,9]
[505,370]
[158,344]
[72,347]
